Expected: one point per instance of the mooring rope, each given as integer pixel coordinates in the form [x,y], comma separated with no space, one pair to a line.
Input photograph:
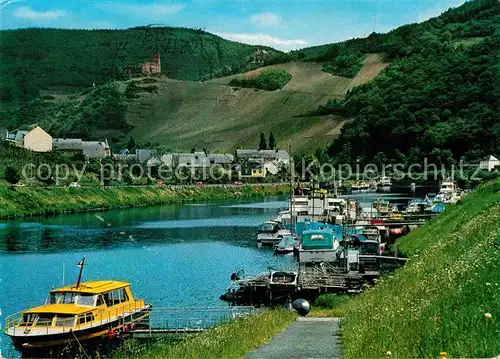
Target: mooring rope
[81,347]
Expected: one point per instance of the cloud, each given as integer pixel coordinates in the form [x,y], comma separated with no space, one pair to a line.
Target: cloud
[5,3]
[25,12]
[265,19]
[263,39]
[154,10]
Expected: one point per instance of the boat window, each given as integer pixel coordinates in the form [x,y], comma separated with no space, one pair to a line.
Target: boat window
[65,320]
[85,318]
[62,298]
[55,298]
[44,320]
[115,297]
[85,299]
[267,227]
[100,301]
[28,319]
[370,248]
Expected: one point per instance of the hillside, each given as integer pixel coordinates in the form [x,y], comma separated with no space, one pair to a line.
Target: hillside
[439,99]
[445,299]
[213,115]
[69,60]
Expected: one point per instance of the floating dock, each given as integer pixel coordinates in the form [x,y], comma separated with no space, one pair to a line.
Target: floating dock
[310,281]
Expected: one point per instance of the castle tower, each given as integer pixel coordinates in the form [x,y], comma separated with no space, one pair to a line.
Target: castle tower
[157,63]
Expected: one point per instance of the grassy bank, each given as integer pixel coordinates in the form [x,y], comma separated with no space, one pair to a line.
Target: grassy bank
[29,201]
[446,298]
[231,340]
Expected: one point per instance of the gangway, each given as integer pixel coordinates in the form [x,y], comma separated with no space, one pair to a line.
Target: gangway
[188,320]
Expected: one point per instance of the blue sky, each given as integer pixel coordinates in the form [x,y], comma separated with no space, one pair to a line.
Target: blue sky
[281,24]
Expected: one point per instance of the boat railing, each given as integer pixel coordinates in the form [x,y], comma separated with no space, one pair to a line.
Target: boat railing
[110,315]
[15,322]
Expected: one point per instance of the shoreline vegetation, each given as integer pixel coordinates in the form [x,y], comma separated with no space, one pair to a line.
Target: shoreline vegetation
[18,202]
[231,340]
[446,299]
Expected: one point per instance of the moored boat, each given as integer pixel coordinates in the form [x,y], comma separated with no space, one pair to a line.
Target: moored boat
[318,245]
[288,244]
[270,233]
[77,313]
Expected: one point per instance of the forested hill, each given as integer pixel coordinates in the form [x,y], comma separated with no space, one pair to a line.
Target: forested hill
[439,98]
[34,59]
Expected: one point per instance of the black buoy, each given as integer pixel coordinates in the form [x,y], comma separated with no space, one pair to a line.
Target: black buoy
[301,306]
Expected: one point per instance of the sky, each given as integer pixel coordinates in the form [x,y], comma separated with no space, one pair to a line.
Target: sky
[284,25]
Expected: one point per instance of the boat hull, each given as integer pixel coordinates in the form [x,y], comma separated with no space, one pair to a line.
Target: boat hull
[24,342]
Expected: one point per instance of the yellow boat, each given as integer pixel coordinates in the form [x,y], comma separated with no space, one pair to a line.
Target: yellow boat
[78,313]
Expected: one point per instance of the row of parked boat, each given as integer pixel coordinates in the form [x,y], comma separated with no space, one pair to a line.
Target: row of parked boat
[317,223]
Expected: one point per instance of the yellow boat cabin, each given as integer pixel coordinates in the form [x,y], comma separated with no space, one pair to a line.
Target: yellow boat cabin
[76,313]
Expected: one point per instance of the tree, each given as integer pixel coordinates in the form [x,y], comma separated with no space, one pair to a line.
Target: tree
[12,175]
[131,144]
[272,141]
[262,144]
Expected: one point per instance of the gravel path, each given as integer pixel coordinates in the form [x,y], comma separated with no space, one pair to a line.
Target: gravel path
[306,338]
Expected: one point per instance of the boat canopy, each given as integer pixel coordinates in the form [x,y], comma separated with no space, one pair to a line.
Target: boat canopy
[270,227]
[286,241]
[318,239]
[93,287]
[338,230]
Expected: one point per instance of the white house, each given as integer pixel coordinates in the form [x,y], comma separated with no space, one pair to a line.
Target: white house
[36,139]
[489,163]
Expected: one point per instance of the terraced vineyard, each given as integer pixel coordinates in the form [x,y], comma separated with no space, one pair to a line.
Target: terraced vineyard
[186,114]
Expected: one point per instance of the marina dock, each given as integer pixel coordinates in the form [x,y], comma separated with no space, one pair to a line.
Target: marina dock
[309,281]
[179,321]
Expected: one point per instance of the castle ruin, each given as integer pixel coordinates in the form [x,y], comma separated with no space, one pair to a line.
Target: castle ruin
[153,67]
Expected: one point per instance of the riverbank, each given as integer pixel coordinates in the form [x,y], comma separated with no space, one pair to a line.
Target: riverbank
[231,340]
[44,201]
[445,299]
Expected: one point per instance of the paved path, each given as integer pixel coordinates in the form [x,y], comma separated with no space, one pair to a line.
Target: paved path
[306,338]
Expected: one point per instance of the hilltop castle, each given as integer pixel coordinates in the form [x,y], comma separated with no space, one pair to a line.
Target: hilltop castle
[153,67]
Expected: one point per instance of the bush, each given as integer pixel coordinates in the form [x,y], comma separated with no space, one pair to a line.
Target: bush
[330,301]
[270,80]
[347,64]
[12,175]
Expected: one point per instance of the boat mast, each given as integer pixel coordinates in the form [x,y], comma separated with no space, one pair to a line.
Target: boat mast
[292,192]
[80,264]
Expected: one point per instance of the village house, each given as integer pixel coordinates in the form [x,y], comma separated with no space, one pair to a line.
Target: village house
[96,149]
[143,154]
[260,163]
[224,160]
[192,160]
[125,156]
[35,139]
[67,144]
[489,163]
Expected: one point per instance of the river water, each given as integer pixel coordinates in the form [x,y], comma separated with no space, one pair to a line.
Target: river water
[174,255]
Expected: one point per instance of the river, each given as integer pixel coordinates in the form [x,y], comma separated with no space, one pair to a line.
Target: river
[174,255]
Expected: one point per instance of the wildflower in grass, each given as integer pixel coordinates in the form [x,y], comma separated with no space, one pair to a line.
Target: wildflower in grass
[388,354]
[443,355]
[487,315]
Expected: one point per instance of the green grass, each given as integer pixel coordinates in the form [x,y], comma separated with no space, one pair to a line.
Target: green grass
[231,340]
[28,201]
[438,301]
